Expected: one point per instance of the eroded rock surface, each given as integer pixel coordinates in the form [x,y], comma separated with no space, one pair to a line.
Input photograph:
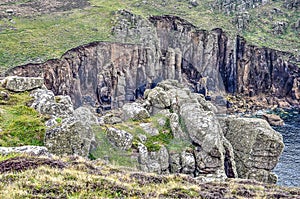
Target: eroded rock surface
[109,75]
[20,84]
[219,147]
[69,131]
[256,145]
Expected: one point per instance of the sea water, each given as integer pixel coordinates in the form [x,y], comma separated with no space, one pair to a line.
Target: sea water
[288,167]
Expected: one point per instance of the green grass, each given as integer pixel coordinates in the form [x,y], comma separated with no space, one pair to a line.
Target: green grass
[153,143]
[42,37]
[20,125]
[108,151]
[9,156]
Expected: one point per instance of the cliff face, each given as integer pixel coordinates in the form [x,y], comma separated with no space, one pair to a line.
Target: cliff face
[167,47]
[104,73]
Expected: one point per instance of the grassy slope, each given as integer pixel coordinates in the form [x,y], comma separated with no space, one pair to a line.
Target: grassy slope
[74,177]
[41,37]
[19,124]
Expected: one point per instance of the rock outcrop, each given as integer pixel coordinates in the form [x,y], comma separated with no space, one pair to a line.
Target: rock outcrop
[256,145]
[201,144]
[233,6]
[120,138]
[70,137]
[166,47]
[69,131]
[20,84]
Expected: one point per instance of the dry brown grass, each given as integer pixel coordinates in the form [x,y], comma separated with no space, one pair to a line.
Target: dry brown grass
[80,178]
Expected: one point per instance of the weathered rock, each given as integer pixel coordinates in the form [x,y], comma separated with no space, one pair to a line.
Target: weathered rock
[232,6]
[296,89]
[134,111]
[229,162]
[120,138]
[158,99]
[149,129]
[177,132]
[57,106]
[153,161]
[4,96]
[256,146]
[188,163]
[279,27]
[204,130]
[31,150]
[273,119]
[163,155]
[112,74]
[194,3]
[242,20]
[70,137]
[19,84]
[175,163]
[84,115]
[111,119]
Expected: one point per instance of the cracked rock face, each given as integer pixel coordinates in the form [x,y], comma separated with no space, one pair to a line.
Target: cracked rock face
[69,138]
[109,75]
[20,84]
[256,145]
[69,131]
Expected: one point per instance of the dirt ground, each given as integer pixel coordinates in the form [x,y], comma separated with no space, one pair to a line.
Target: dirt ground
[29,8]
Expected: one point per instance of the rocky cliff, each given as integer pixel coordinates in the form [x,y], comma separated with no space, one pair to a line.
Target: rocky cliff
[167,47]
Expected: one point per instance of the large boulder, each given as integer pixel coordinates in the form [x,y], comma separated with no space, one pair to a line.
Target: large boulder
[45,102]
[70,137]
[175,126]
[69,132]
[84,115]
[20,84]
[153,161]
[134,111]
[256,145]
[205,132]
[120,138]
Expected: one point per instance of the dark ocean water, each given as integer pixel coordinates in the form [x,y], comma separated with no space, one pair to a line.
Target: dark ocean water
[288,168]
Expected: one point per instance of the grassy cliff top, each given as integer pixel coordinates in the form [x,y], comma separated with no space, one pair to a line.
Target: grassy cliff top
[36,30]
[74,177]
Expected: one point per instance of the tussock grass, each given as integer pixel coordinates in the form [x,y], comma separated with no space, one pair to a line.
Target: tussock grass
[80,178]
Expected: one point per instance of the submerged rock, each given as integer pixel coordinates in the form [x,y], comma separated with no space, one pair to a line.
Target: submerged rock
[273,119]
